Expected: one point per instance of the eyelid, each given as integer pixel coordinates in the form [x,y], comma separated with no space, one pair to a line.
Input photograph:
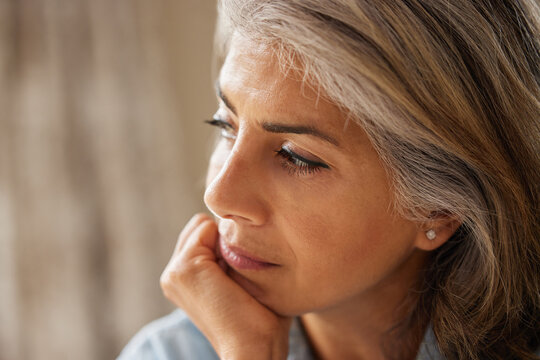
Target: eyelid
[294,154]
[227,129]
[219,123]
[228,132]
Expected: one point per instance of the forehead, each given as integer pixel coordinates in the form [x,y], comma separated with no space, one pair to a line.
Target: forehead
[263,91]
[252,75]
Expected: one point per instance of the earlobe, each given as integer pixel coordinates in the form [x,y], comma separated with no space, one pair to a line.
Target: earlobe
[431,234]
[436,232]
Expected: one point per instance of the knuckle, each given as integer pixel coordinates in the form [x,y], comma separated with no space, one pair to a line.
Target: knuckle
[175,276]
[164,279]
[166,282]
[169,284]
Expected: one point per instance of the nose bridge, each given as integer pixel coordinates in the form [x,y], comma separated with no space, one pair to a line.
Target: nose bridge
[235,192]
[234,170]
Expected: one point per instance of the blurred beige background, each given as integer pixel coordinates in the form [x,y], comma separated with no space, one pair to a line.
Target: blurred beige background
[102,160]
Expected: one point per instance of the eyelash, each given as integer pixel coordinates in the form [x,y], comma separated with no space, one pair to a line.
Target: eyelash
[298,165]
[226,128]
[290,161]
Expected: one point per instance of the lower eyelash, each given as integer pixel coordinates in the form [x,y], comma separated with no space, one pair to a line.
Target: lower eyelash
[295,166]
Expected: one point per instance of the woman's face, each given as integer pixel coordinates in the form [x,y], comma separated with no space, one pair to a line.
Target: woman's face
[302,200]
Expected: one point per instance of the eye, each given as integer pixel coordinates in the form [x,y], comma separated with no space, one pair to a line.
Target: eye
[227,130]
[298,165]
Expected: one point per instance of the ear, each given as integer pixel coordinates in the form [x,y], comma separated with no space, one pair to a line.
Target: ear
[436,231]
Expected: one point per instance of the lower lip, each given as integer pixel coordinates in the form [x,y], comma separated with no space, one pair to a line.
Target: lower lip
[241,262]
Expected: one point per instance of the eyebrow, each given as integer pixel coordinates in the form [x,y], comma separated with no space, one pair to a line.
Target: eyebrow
[280,128]
[225,99]
[291,129]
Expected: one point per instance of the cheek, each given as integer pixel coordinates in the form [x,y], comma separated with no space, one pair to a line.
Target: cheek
[338,224]
[327,244]
[348,251]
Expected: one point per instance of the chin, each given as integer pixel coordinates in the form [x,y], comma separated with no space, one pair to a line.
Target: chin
[281,304]
[282,307]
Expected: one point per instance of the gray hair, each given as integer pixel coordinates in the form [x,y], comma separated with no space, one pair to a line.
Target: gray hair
[448,93]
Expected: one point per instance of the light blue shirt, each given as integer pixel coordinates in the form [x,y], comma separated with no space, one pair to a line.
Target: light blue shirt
[175,337]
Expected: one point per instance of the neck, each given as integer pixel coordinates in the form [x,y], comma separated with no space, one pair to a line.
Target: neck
[359,327]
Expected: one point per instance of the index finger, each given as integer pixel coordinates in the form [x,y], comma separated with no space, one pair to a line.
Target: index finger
[192,224]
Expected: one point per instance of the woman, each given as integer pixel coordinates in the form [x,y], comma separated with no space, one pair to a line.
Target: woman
[374,189]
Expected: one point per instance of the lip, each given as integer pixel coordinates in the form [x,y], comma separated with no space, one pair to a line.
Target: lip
[242,260]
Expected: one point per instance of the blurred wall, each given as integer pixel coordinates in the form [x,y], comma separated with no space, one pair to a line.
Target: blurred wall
[102,161]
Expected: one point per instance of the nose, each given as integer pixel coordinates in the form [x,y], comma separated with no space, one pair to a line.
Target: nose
[236,186]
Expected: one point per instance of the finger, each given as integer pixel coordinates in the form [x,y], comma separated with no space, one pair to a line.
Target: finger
[195,256]
[202,242]
[196,267]
[195,281]
[192,254]
[192,224]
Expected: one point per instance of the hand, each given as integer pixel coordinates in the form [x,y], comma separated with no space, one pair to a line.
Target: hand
[237,325]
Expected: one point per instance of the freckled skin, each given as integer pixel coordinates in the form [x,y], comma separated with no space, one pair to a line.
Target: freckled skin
[332,232]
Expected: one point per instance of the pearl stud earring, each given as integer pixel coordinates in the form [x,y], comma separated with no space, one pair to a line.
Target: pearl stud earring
[430,234]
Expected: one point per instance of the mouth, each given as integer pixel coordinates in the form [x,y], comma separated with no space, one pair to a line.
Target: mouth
[242,260]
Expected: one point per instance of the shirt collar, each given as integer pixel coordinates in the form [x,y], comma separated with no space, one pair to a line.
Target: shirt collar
[299,348]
